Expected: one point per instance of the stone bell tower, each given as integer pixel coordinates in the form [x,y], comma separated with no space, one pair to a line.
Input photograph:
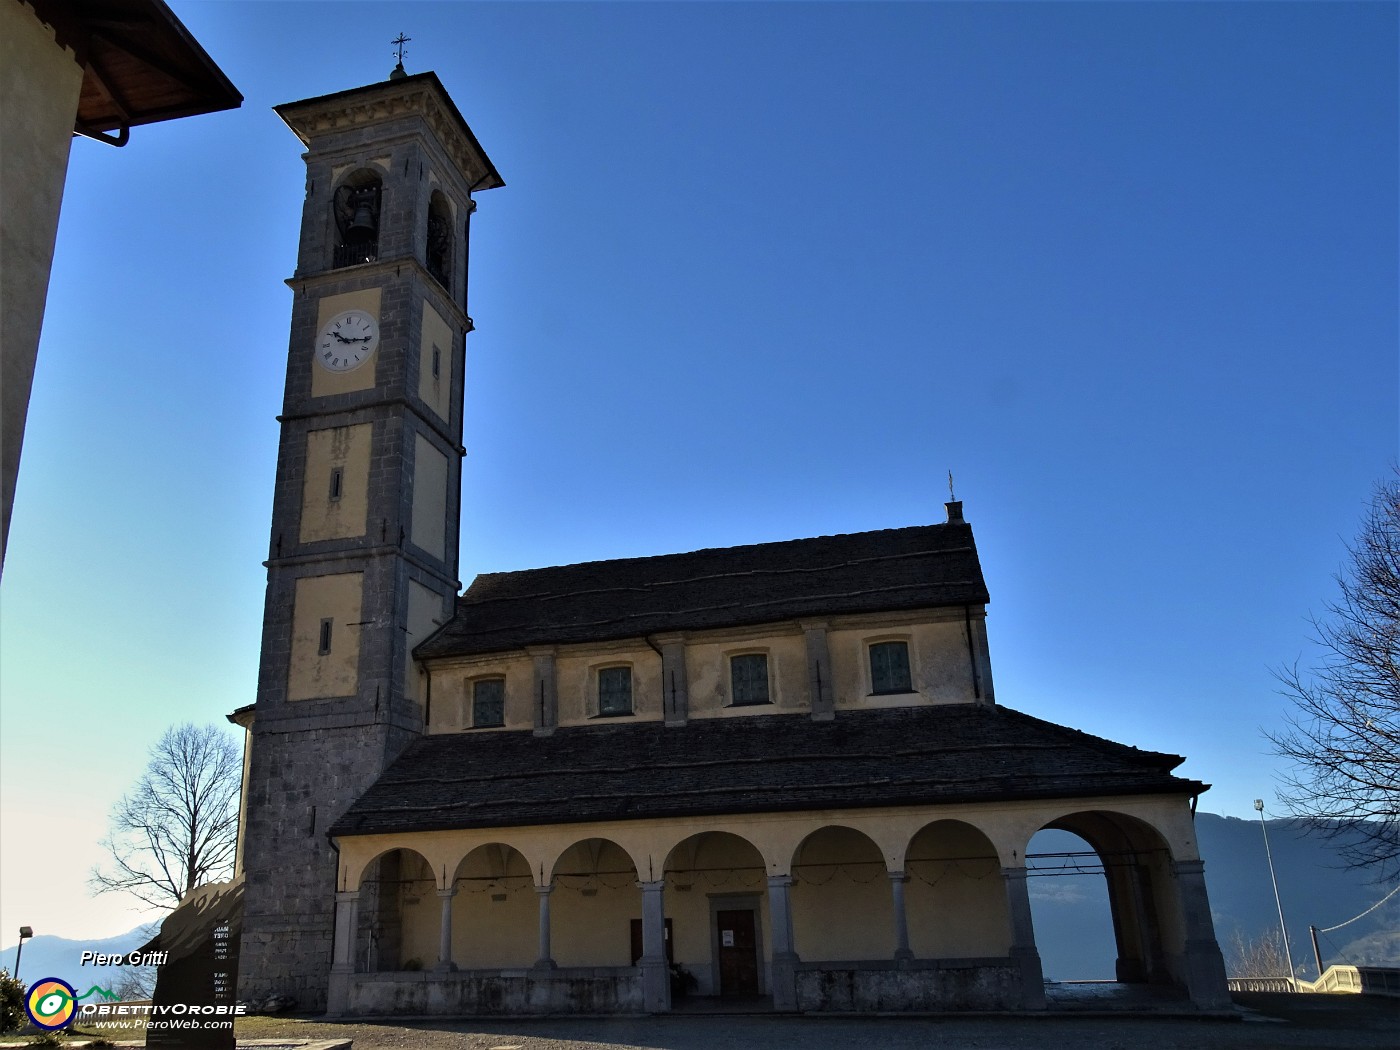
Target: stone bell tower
[363,556]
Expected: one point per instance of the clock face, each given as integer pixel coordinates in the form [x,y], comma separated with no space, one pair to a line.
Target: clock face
[346,341]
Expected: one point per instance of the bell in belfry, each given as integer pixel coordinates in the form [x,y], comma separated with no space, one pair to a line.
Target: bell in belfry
[364,226]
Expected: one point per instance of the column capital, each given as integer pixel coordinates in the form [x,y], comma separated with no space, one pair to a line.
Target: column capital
[1188,867]
[653,887]
[347,896]
[447,894]
[1013,873]
[779,881]
[898,876]
[545,891]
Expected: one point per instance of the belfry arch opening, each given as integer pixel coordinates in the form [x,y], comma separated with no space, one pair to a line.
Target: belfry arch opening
[439,240]
[356,208]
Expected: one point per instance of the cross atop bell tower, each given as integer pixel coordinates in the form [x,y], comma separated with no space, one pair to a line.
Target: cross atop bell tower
[363,554]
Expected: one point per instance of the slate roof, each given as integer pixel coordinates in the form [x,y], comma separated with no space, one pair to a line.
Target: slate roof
[893,569]
[766,763]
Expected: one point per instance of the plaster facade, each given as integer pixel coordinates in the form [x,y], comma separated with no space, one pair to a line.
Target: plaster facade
[901,908]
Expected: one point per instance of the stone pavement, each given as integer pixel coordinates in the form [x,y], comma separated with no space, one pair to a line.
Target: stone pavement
[1264,1022]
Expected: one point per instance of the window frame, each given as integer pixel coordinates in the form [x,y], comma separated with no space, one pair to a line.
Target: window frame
[476,684]
[908,680]
[734,659]
[631,691]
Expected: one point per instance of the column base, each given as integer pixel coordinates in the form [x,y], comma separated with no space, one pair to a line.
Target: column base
[1032,978]
[784,982]
[338,993]
[656,987]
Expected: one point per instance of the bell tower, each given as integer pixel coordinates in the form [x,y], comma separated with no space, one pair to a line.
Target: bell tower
[362,562]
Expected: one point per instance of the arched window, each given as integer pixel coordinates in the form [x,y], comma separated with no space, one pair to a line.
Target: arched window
[440,239]
[356,206]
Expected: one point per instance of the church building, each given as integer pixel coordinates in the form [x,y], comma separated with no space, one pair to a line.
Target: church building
[773,771]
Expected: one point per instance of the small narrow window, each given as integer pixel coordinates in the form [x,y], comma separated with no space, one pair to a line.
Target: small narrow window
[489,702]
[748,677]
[889,668]
[337,481]
[325,645]
[615,691]
[437,362]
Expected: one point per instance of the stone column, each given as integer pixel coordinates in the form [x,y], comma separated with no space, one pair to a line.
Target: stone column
[819,671]
[898,879]
[675,687]
[347,922]
[656,975]
[785,957]
[546,959]
[544,697]
[445,963]
[1205,969]
[1023,950]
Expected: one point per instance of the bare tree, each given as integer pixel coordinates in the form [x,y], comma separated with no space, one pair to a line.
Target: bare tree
[1261,956]
[177,827]
[1344,731]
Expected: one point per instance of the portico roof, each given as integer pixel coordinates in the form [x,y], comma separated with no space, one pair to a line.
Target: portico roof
[951,753]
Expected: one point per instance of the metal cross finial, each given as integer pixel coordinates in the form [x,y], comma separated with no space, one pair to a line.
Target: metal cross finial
[950,486]
[399,42]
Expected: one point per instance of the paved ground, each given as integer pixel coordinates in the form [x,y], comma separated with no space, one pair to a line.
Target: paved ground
[1271,1022]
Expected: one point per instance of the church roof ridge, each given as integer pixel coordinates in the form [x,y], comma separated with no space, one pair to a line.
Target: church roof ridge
[704,550]
[919,566]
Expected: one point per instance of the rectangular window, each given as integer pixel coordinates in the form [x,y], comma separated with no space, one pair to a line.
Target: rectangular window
[615,691]
[489,702]
[748,676]
[889,668]
[325,642]
[337,481]
[437,362]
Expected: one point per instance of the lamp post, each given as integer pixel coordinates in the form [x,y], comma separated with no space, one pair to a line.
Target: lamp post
[25,933]
[1282,927]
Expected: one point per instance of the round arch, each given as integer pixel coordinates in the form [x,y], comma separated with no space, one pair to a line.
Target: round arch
[439,239]
[717,917]
[1136,862]
[495,911]
[842,906]
[955,897]
[356,207]
[397,912]
[596,902]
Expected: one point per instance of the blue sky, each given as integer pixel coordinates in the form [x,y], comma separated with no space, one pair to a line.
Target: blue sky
[759,271]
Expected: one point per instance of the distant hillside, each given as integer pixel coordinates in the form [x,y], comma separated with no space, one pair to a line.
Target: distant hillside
[1075,934]
[1313,884]
[47,956]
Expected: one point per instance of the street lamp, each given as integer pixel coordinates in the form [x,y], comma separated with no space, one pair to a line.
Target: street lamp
[1283,928]
[25,933]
